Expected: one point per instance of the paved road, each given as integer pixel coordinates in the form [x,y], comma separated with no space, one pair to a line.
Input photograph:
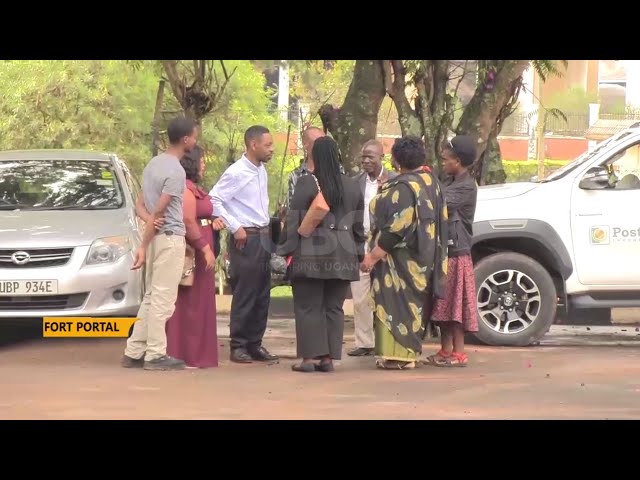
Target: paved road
[575,373]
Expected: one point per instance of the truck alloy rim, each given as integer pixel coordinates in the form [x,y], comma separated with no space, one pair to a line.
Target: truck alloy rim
[508,302]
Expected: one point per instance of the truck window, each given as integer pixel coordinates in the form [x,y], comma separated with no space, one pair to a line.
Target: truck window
[624,168]
[586,156]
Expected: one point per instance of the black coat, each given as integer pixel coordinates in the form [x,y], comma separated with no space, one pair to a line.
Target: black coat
[461,195]
[362,181]
[336,247]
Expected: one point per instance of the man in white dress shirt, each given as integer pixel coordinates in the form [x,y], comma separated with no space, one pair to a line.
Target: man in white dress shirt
[374,174]
[241,199]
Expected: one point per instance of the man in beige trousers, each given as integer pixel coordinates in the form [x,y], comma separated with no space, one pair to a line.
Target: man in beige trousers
[373,175]
[163,250]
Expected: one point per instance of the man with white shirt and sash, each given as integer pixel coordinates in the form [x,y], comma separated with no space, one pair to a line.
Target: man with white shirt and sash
[241,199]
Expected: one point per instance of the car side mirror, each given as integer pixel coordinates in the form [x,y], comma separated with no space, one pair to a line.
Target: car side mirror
[596,178]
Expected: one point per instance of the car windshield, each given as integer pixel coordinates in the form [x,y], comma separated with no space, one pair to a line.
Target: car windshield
[59,185]
[588,155]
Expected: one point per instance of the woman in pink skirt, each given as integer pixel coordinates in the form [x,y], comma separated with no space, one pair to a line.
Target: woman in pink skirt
[457,313]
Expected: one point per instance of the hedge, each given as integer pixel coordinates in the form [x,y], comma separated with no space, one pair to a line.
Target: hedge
[523,170]
[516,170]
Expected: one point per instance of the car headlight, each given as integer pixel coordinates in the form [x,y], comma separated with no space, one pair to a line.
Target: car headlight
[108,250]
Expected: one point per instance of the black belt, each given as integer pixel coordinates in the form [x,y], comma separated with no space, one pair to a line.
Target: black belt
[257,230]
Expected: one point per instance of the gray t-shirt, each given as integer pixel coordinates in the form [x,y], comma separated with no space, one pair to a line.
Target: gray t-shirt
[164,174]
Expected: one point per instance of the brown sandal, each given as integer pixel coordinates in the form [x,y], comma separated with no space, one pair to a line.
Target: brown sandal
[394,365]
[437,359]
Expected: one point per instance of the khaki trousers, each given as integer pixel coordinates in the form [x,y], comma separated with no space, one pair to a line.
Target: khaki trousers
[362,311]
[164,264]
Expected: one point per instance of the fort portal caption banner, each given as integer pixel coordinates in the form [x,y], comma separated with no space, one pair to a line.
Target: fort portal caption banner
[86,327]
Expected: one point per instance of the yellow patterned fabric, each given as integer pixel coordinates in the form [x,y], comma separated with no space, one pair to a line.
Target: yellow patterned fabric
[410,218]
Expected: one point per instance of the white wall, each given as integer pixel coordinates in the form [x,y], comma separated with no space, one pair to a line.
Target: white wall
[633,83]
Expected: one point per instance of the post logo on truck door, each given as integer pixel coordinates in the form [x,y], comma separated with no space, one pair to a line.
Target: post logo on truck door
[604,235]
[600,235]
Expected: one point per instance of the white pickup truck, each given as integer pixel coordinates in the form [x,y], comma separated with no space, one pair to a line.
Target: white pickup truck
[569,241]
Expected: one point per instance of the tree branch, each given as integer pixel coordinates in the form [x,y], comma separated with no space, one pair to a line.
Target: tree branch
[177,86]
[224,70]
[461,78]
[388,80]
[407,117]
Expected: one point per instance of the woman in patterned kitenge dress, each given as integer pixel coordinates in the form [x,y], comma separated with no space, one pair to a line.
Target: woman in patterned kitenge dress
[408,255]
[457,313]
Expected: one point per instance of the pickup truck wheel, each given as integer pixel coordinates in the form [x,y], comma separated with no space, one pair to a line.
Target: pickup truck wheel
[517,300]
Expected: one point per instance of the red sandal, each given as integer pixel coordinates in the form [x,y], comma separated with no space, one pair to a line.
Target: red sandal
[437,359]
[457,360]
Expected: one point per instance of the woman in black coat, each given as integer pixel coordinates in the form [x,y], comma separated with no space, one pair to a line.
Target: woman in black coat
[324,264]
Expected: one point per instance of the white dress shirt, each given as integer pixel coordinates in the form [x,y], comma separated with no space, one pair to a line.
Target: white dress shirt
[241,196]
[370,191]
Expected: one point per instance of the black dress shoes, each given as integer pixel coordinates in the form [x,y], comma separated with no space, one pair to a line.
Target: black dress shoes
[240,355]
[263,355]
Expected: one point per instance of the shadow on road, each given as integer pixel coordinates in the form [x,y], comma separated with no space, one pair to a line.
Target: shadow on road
[13,332]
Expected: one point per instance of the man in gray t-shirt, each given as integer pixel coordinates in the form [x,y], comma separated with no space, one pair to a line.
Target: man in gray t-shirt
[164,174]
[163,251]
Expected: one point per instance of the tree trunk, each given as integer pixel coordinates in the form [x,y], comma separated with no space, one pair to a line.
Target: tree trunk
[157,118]
[434,106]
[433,113]
[489,105]
[356,121]
[488,170]
[396,85]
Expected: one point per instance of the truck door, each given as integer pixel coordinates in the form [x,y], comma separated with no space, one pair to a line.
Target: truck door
[605,221]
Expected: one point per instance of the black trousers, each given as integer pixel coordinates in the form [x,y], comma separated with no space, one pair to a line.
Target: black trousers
[250,272]
[319,316]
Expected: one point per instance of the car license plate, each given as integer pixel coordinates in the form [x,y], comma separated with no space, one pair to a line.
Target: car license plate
[28,287]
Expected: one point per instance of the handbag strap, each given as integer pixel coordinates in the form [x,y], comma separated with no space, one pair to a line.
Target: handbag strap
[317,184]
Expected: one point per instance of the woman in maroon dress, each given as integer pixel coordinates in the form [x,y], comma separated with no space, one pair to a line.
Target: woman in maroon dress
[192,329]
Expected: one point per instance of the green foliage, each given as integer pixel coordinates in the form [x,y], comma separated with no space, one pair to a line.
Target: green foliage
[548,68]
[573,100]
[522,171]
[96,105]
[516,170]
[109,106]
[223,133]
[315,83]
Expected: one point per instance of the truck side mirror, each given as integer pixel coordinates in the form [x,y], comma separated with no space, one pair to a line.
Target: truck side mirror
[596,178]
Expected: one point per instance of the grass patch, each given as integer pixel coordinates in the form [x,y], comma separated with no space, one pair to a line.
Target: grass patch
[281,292]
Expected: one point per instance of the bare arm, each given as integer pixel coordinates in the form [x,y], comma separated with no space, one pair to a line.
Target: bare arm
[141,209]
[150,229]
[174,186]
[161,206]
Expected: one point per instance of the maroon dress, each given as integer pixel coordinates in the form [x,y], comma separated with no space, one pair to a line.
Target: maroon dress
[192,329]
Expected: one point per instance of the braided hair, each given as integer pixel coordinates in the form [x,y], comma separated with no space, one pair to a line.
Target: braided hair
[327,159]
